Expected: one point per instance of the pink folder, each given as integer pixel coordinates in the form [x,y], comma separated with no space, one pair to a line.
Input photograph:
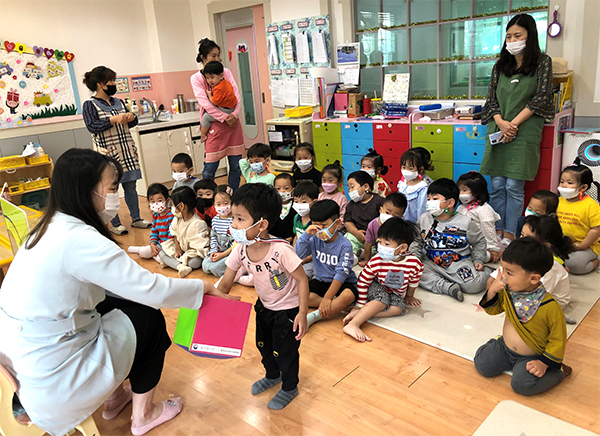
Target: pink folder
[221,328]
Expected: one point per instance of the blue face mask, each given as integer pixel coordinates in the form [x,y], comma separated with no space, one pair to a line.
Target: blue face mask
[257,167]
[529,212]
[326,234]
[239,235]
[389,253]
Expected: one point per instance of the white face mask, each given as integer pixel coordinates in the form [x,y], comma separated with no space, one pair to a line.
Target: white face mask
[175,212]
[159,207]
[529,212]
[516,48]
[568,193]
[409,175]
[383,217]
[387,253]
[111,206]
[224,210]
[369,172]
[304,165]
[285,196]
[257,167]
[240,236]
[301,209]
[465,198]
[179,177]
[355,196]
[433,207]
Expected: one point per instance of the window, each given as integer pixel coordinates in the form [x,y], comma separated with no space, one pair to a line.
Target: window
[448,46]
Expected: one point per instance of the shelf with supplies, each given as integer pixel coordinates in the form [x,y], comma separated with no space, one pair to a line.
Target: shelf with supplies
[283,135]
[26,179]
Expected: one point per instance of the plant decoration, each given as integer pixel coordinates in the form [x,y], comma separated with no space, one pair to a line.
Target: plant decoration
[424,97]
[454,97]
[423,61]
[529,8]
[423,22]
[454,58]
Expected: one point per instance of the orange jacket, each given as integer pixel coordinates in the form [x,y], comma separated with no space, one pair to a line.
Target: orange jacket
[223,95]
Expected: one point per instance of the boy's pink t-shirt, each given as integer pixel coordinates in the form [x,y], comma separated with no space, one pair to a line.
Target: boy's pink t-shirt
[273,279]
[372,230]
[339,198]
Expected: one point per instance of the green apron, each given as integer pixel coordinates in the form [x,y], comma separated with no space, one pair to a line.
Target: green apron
[520,158]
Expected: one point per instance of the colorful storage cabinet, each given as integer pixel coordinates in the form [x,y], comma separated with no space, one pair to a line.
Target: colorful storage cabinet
[327,141]
[469,146]
[438,140]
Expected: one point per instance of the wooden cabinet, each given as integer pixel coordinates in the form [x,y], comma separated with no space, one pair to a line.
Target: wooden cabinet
[157,162]
[27,179]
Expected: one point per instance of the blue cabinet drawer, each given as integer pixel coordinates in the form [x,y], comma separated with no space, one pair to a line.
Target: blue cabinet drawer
[350,164]
[462,168]
[470,134]
[357,131]
[468,153]
[356,147]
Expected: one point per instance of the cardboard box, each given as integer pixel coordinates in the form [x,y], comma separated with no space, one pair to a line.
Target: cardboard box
[355,104]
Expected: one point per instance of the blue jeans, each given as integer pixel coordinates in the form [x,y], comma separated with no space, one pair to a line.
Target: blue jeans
[131,198]
[210,168]
[217,268]
[507,198]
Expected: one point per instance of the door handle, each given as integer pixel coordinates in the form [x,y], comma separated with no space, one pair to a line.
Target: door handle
[263,97]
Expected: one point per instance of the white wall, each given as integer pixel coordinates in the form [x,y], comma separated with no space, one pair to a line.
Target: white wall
[282,10]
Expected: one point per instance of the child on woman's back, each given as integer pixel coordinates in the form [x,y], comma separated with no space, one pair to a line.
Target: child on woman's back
[255,168]
[158,197]
[390,279]
[542,202]
[304,165]
[220,240]
[186,250]
[372,163]
[331,182]
[474,200]
[579,217]
[414,181]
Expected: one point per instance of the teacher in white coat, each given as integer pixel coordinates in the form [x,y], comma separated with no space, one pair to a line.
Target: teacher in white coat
[66,342]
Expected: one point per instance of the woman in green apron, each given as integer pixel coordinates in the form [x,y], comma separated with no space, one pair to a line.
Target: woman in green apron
[518,103]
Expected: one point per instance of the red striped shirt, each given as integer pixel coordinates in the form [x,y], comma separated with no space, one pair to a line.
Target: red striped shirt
[378,269]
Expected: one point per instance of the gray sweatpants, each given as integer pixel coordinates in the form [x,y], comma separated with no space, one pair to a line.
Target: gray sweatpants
[207,118]
[494,357]
[580,262]
[462,272]
[193,262]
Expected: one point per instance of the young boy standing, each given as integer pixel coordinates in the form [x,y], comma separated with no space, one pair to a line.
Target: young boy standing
[182,167]
[255,168]
[284,226]
[281,285]
[451,247]
[534,335]
[332,259]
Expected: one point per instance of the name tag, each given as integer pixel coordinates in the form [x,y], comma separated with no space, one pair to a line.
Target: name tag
[394,280]
[514,81]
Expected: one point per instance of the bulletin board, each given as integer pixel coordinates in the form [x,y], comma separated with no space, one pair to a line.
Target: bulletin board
[283,35]
[35,82]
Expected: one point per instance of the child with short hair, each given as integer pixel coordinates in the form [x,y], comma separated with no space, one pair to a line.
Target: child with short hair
[534,335]
[188,247]
[474,198]
[542,202]
[393,205]
[451,247]
[183,167]
[281,285]
[305,195]
[414,181]
[332,178]
[304,164]
[579,217]
[158,197]
[221,241]
[389,281]
[205,189]
[363,209]
[220,94]
[333,287]
[255,168]
[372,164]
[284,226]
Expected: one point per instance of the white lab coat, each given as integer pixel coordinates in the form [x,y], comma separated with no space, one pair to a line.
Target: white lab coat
[65,358]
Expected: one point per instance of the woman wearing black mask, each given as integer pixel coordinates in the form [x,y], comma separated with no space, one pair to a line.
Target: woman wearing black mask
[108,120]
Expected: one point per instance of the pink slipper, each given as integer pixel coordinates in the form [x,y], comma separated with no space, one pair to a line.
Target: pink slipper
[171,409]
[112,413]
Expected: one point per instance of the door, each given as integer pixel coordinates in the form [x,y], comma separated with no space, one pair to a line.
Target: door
[241,52]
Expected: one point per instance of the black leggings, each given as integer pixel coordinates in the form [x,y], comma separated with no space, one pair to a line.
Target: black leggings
[152,341]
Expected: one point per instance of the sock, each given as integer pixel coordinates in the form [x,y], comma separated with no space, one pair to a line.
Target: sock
[282,399]
[263,384]
[570,320]
[183,270]
[313,317]
[455,292]
[133,249]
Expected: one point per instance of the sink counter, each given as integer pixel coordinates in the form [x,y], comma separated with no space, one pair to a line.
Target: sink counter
[185,118]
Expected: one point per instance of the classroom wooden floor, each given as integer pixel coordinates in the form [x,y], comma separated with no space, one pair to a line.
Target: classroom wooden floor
[391,386]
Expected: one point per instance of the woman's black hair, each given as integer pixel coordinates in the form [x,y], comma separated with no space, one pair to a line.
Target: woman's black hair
[476,184]
[157,188]
[101,75]
[583,173]
[76,174]
[507,63]
[399,231]
[362,178]
[547,229]
[187,196]
[335,169]
[303,146]
[205,46]
[377,161]
[417,157]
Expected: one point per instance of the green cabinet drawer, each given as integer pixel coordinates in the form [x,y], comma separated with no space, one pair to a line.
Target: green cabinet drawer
[328,145]
[441,170]
[326,159]
[442,152]
[326,129]
[432,133]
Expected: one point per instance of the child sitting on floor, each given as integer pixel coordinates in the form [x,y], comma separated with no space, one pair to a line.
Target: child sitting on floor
[389,281]
[220,240]
[305,195]
[534,335]
[284,226]
[414,181]
[331,181]
[281,285]
[304,165]
[451,247]
[205,189]
[372,163]
[333,287]
[220,94]
[542,202]
[255,168]
[158,197]
[474,198]
[183,168]
[394,205]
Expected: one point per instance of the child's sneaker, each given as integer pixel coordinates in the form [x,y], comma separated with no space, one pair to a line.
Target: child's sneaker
[141,224]
[570,320]
[566,369]
[119,231]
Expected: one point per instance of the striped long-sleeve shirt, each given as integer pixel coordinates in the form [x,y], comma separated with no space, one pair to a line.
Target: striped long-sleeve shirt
[160,227]
[395,276]
[219,234]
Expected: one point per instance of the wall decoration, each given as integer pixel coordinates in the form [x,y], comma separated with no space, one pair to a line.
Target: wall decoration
[141,83]
[242,48]
[122,84]
[44,84]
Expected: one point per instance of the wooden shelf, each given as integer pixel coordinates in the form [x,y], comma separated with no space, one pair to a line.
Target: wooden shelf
[11,170]
[30,190]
